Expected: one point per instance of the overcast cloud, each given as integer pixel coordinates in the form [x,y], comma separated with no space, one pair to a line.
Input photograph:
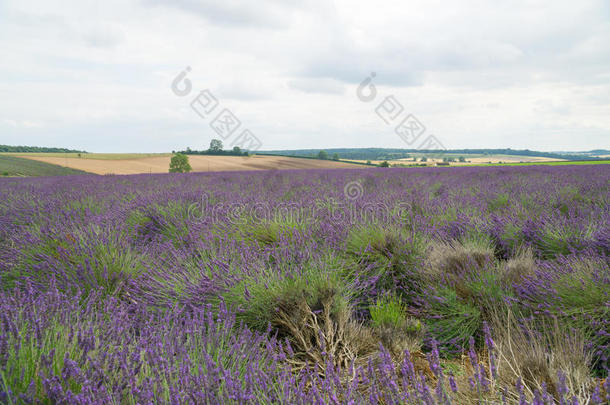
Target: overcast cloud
[96,75]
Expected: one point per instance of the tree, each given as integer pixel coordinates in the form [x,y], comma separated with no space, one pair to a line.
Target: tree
[368,162]
[323,155]
[462,159]
[424,159]
[179,164]
[215,145]
[335,156]
[384,164]
[237,150]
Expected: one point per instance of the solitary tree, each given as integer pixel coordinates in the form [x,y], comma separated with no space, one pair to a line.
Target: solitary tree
[215,145]
[384,164]
[335,156]
[323,155]
[179,164]
[237,150]
[462,159]
[424,159]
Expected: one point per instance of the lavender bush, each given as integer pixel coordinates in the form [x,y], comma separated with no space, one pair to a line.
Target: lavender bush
[462,285]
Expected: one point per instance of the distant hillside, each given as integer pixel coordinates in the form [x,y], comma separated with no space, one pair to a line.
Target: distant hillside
[36,149]
[389,154]
[15,166]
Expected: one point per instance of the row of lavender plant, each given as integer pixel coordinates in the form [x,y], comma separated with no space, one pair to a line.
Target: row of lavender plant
[175,288]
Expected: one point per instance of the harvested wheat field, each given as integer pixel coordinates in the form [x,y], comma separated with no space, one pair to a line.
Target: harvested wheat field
[160,164]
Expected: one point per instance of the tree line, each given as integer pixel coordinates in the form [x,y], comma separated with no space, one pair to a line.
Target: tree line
[37,149]
[216,148]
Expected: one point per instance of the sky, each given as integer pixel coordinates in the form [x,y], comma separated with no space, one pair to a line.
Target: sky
[162,75]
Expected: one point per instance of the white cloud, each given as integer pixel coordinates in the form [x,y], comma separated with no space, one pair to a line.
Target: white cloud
[96,75]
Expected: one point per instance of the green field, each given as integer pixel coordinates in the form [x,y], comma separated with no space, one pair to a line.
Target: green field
[101,156]
[18,167]
[560,163]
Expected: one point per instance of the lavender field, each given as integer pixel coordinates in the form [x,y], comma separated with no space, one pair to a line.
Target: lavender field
[426,286]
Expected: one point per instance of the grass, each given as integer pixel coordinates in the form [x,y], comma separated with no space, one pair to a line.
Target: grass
[388,255]
[258,298]
[72,343]
[95,259]
[452,321]
[554,163]
[388,311]
[18,167]
[535,355]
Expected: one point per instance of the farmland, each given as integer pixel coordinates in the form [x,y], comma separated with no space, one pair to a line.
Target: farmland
[420,285]
[15,166]
[110,163]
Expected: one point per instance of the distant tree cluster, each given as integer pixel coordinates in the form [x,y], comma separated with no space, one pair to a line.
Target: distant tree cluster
[216,148]
[36,149]
[394,153]
[323,155]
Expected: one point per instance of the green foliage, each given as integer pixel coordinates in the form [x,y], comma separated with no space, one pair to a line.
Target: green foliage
[215,145]
[257,297]
[168,221]
[36,149]
[397,153]
[23,363]
[390,311]
[560,240]
[387,254]
[567,198]
[384,164]
[499,202]
[512,236]
[452,320]
[323,155]
[371,243]
[584,277]
[269,232]
[94,260]
[30,359]
[16,166]
[582,295]
[179,164]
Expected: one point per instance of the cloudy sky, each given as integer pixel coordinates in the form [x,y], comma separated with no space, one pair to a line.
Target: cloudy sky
[97,75]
